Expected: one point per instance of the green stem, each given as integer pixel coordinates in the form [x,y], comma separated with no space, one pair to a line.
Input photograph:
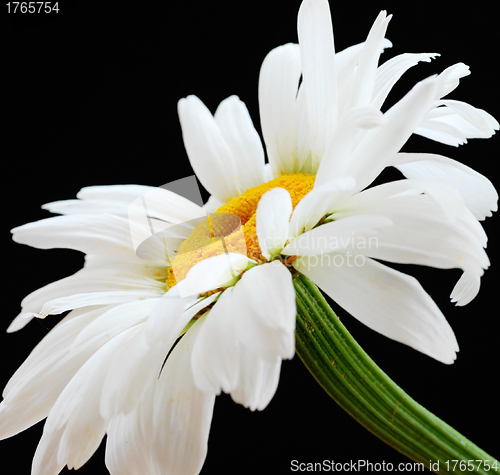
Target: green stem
[360,387]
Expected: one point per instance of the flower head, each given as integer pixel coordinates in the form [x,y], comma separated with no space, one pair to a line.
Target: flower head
[149,343]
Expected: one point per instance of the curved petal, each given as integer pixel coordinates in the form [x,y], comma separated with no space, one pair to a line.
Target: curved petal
[421,232]
[213,204]
[389,302]
[207,150]
[116,199]
[272,222]
[465,289]
[477,118]
[128,443]
[478,192]
[278,84]
[58,339]
[318,69]
[345,138]
[266,325]
[455,122]
[392,70]
[439,126]
[38,382]
[139,361]
[212,273]
[258,381]
[100,199]
[338,236]
[89,299]
[452,76]
[182,414]
[345,66]
[319,202]
[115,276]
[215,362]
[240,135]
[379,144]
[167,319]
[74,427]
[363,83]
[106,235]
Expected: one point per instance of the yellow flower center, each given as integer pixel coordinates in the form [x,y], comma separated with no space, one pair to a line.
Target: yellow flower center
[232,227]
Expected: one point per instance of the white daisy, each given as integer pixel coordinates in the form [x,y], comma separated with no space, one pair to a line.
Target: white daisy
[115,364]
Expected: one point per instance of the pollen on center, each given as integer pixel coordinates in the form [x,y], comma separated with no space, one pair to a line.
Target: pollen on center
[232,227]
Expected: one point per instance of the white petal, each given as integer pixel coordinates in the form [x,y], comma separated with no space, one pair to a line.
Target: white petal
[264,311]
[39,381]
[484,122]
[347,135]
[139,362]
[116,297]
[118,193]
[468,224]
[91,234]
[465,289]
[319,202]
[240,135]
[213,204]
[345,63]
[87,207]
[100,199]
[207,150]
[390,72]
[161,213]
[165,322]
[45,460]
[116,276]
[136,366]
[455,122]
[338,236]
[387,301]
[363,84]
[442,129]
[116,199]
[58,339]
[212,273]
[114,319]
[479,194]
[258,381]
[444,194]
[77,412]
[278,84]
[215,362]
[303,162]
[34,388]
[182,414]
[318,70]
[452,76]
[421,233]
[129,436]
[272,222]
[378,145]
[85,426]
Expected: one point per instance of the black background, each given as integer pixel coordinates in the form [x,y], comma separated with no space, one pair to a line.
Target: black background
[88,97]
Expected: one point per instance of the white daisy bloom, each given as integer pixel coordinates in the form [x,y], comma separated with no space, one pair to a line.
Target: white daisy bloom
[115,364]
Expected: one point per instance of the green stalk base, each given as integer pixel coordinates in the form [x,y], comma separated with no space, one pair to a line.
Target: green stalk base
[360,387]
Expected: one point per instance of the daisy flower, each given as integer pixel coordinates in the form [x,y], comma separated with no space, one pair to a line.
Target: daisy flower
[164,315]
